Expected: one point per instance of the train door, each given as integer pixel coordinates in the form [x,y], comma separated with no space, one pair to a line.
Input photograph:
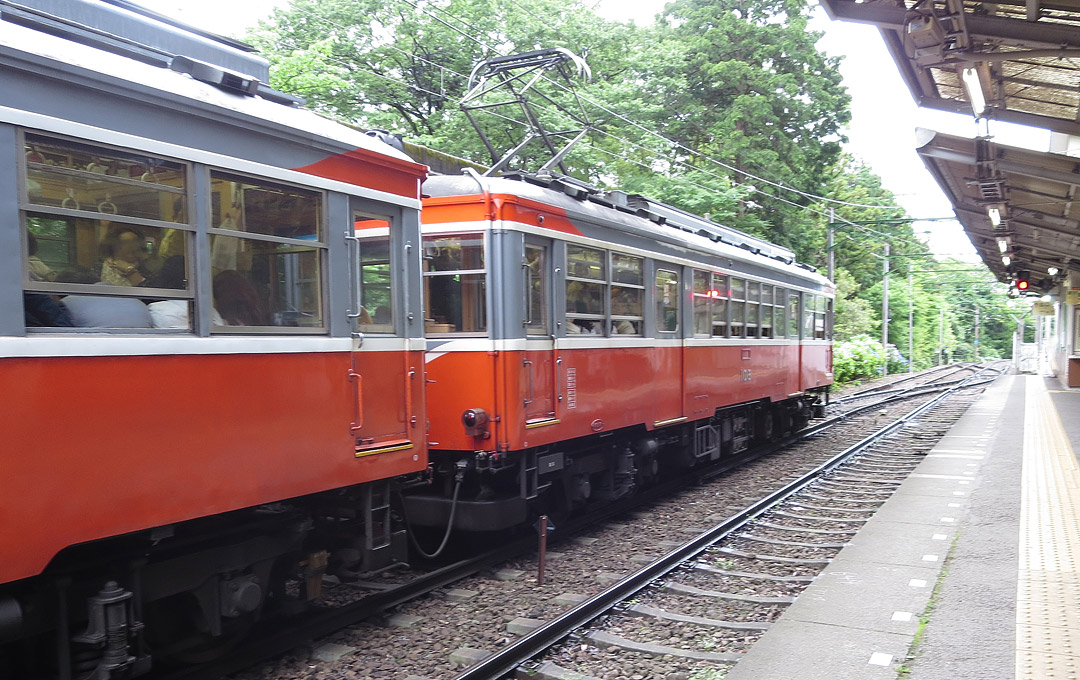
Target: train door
[382,377]
[539,361]
[667,359]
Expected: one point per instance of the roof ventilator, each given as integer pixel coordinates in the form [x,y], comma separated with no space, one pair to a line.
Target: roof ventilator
[215,75]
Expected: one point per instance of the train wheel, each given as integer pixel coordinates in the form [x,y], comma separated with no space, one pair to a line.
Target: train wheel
[177,631]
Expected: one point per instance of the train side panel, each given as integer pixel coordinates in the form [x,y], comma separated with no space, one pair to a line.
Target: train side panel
[815,365]
[110,445]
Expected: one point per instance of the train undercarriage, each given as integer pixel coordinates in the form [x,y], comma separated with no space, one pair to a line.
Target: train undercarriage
[487,491]
[186,593]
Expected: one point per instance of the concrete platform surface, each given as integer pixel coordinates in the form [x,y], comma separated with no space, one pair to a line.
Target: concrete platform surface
[860,616]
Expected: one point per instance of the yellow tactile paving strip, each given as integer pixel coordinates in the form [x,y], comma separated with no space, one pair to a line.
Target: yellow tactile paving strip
[1048,590]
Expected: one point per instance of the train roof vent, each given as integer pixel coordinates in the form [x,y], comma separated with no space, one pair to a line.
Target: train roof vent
[215,75]
[97,22]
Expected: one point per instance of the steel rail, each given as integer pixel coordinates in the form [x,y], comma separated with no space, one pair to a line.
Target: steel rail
[290,633]
[507,660]
[878,388]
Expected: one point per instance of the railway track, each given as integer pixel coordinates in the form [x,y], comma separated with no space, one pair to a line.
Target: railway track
[299,634]
[777,543]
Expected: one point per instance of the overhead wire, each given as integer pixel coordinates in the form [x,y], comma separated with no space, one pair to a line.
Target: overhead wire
[649,131]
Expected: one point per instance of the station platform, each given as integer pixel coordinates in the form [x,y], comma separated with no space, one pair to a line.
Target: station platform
[971,571]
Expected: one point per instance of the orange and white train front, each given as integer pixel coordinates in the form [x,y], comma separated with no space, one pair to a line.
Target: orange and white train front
[578,343]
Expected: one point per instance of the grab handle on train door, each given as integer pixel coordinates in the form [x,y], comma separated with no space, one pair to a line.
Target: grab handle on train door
[405,286]
[526,363]
[353,245]
[357,382]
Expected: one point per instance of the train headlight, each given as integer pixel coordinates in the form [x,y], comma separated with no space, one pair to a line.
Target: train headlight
[475,421]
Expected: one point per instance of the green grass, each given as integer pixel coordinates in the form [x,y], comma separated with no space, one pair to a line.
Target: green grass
[904,670]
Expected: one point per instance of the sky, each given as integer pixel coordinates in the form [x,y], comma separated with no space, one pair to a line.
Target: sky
[884,116]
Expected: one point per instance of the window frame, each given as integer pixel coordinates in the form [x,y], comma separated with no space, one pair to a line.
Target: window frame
[321,246]
[529,325]
[485,253]
[612,317]
[661,308]
[28,209]
[392,237]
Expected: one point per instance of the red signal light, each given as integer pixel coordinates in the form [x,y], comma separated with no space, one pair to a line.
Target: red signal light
[1022,285]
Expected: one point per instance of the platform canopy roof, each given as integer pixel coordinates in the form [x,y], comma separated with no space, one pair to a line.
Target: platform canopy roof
[1038,223]
[1026,54]
[1016,61]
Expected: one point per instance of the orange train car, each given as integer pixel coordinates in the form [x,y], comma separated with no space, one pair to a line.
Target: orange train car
[210,384]
[579,342]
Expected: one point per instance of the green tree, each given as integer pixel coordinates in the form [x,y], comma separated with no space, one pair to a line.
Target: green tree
[403,67]
[746,85]
[853,315]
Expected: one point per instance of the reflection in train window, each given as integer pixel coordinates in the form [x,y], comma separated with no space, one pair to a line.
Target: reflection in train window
[779,313]
[586,290]
[627,294]
[793,315]
[710,304]
[765,330]
[267,247]
[702,294]
[375,287]
[455,288]
[534,271]
[96,251]
[719,294]
[667,301]
[738,307]
[808,316]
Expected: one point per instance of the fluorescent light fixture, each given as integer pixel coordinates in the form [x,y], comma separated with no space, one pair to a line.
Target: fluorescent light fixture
[1053,271]
[974,90]
[1003,245]
[995,216]
[1006,260]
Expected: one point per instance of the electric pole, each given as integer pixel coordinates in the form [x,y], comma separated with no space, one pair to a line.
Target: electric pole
[830,244]
[885,310]
[911,319]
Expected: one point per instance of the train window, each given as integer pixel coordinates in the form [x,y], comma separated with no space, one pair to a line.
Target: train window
[829,320]
[808,316]
[269,277]
[586,290]
[765,329]
[107,240]
[753,298]
[585,263]
[702,294]
[375,271]
[626,310]
[793,315]
[719,294]
[627,269]
[779,313]
[738,307]
[455,284]
[820,305]
[535,269]
[667,301]
[79,178]
[627,294]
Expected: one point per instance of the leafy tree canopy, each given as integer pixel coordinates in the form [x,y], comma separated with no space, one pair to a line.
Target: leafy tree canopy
[723,107]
